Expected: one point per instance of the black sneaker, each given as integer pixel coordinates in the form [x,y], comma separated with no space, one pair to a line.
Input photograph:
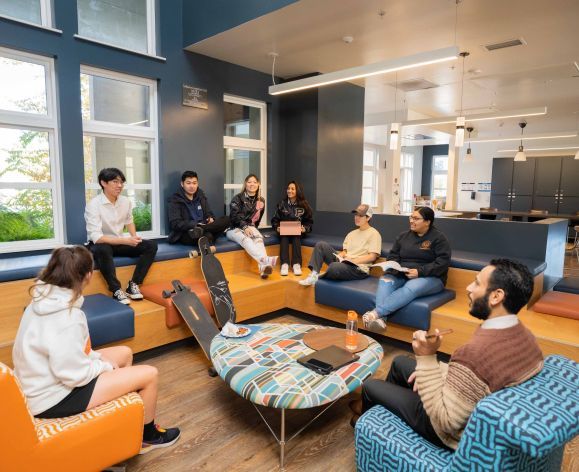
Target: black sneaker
[133,291]
[195,233]
[121,297]
[164,438]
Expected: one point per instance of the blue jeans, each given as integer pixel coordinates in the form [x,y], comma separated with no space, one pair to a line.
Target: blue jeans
[395,292]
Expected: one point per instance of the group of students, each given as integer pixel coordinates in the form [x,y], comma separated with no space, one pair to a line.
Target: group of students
[61,375]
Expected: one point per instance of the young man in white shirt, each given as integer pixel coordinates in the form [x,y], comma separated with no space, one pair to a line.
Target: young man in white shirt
[106,217]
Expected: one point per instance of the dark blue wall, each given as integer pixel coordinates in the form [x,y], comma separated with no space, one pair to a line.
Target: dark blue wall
[427,153]
[190,138]
[205,18]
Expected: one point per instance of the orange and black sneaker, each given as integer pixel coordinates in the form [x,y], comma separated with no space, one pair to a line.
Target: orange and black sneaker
[160,438]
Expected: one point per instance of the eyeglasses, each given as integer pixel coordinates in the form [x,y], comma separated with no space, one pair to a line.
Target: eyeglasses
[415,218]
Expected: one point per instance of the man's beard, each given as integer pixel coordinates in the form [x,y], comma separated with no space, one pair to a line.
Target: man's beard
[480,308]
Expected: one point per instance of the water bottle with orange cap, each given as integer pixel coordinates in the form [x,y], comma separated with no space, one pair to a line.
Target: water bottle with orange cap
[352,331]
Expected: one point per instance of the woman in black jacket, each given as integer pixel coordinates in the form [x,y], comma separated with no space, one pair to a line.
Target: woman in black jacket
[294,207]
[246,211]
[425,253]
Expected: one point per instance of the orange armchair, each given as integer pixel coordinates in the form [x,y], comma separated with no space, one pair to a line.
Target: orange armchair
[90,441]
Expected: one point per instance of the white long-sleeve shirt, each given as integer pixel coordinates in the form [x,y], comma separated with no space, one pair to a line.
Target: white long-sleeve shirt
[104,218]
[52,352]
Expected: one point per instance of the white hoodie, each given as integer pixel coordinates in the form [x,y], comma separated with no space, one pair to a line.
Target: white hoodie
[52,353]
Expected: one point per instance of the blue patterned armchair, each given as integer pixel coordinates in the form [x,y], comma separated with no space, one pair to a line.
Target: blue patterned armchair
[516,429]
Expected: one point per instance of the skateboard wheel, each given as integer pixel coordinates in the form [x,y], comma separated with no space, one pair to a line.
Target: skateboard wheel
[213,249]
[166,294]
[193,254]
[212,372]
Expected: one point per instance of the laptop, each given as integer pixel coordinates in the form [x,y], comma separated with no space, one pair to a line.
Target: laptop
[290,228]
[328,359]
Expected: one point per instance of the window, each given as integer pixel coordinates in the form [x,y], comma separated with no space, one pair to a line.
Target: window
[128,24]
[30,200]
[119,119]
[439,177]
[406,182]
[37,12]
[245,145]
[370,176]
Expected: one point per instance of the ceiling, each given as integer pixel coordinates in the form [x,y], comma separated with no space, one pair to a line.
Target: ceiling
[308,34]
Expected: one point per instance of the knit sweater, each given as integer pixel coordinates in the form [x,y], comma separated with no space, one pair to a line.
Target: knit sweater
[492,359]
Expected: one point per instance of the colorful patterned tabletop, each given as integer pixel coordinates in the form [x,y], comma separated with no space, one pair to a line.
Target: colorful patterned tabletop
[262,368]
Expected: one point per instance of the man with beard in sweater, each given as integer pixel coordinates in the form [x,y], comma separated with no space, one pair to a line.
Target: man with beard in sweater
[436,399]
[190,216]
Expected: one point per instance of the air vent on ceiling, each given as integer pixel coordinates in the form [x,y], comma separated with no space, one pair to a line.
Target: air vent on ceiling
[412,85]
[505,44]
[417,137]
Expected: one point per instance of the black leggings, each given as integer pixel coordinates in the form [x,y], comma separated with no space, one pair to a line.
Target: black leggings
[73,404]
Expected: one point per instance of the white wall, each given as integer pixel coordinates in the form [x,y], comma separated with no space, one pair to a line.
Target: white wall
[480,170]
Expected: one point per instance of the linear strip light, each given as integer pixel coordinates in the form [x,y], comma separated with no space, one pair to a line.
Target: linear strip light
[527,138]
[542,149]
[382,67]
[480,117]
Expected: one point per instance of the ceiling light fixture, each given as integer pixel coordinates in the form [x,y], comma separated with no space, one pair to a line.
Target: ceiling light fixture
[520,155]
[565,148]
[528,138]
[382,67]
[395,127]
[577,155]
[469,157]
[522,113]
[460,121]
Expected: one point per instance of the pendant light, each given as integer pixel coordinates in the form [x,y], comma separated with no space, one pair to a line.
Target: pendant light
[577,156]
[460,121]
[520,155]
[395,127]
[469,157]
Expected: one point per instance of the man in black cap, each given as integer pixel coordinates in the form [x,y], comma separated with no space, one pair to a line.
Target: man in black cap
[360,249]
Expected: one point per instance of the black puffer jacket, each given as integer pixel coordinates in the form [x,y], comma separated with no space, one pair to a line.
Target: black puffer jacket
[242,208]
[179,217]
[286,211]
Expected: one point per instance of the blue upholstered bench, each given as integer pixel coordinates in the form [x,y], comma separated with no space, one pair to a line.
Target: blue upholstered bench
[568,284]
[108,320]
[515,429]
[28,267]
[360,296]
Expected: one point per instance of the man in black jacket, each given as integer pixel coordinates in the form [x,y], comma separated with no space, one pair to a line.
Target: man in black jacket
[189,214]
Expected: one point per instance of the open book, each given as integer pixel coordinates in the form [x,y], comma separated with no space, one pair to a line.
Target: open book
[390,265]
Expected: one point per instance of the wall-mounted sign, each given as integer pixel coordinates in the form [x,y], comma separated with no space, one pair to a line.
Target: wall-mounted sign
[194,97]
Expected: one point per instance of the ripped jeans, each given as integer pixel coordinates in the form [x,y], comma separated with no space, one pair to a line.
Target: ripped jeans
[254,245]
[395,292]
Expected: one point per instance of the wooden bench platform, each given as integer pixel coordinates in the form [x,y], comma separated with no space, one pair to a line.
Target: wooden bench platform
[253,297]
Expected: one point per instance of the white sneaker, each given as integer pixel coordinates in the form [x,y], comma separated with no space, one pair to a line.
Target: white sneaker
[377,325]
[284,269]
[121,297]
[369,316]
[309,280]
[297,269]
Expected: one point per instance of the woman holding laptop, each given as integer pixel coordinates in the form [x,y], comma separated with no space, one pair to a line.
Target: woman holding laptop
[293,218]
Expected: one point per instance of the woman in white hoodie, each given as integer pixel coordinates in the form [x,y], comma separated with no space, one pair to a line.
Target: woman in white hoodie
[59,372]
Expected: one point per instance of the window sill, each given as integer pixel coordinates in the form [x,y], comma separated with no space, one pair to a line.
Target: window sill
[119,48]
[30,24]
[29,246]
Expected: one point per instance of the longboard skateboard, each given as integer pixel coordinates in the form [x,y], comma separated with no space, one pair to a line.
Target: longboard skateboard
[216,284]
[195,315]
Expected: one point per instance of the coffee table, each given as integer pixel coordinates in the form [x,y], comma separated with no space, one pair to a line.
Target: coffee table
[262,368]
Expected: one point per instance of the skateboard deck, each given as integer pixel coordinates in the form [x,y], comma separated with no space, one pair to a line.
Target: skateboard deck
[195,315]
[216,284]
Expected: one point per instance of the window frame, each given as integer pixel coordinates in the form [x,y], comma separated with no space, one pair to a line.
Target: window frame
[438,172]
[150,23]
[375,169]
[248,144]
[45,16]
[150,134]
[403,170]
[48,123]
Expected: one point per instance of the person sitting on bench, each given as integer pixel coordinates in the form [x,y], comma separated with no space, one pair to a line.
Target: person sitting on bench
[59,372]
[190,216]
[361,248]
[425,251]
[436,399]
[106,216]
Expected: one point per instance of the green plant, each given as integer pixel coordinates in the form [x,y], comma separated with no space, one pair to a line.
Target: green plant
[142,216]
[25,225]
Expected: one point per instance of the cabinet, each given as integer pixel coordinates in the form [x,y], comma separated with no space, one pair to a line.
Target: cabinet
[512,184]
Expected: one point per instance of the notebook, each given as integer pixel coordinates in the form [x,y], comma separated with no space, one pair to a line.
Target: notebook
[328,359]
[290,228]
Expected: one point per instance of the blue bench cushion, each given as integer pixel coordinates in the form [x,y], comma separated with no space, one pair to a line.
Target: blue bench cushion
[360,296]
[108,320]
[28,267]
[568,284]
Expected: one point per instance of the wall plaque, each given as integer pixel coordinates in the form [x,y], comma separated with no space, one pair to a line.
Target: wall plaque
[194,97]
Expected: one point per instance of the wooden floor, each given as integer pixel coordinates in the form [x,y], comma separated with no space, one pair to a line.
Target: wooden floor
[221,431]
[571,265]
